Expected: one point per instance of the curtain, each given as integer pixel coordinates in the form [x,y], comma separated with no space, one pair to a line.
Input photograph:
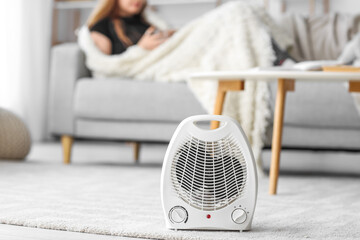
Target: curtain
[24,60]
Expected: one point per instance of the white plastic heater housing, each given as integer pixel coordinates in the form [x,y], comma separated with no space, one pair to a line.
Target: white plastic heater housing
[208,178]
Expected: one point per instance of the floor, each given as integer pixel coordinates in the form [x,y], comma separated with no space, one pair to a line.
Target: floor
[10,232]
[83,153]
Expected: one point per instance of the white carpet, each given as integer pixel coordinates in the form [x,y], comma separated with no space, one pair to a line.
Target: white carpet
[124,200]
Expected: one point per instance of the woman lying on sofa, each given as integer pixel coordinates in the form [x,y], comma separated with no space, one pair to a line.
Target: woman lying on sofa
[123,39]
[118,24]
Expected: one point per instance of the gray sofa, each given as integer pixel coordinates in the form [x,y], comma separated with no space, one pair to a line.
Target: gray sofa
[318,116]
[321,125]
[114,109]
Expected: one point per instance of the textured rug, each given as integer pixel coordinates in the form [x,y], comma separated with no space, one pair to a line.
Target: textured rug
[124,200]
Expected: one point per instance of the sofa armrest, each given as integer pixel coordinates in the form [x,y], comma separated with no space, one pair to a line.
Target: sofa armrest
[67,66]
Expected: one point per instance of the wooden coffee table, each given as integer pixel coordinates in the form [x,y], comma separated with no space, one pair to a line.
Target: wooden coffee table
[235,81]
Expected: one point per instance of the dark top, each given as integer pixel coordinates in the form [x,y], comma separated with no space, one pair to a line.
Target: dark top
[134,29]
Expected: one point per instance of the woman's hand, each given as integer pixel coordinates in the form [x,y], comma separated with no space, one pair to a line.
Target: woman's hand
[151,40]
[169,33]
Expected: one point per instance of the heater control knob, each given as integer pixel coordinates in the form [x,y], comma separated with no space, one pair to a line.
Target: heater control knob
[178,214]
[239,216]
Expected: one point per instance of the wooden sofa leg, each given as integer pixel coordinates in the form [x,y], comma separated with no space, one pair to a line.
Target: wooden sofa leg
[67,142]
[136,148]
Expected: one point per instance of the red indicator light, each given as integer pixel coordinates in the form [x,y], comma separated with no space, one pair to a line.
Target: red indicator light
[208,216]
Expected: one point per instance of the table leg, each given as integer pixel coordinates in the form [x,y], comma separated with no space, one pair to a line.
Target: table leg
[354,86]
[223,87]
[283,86]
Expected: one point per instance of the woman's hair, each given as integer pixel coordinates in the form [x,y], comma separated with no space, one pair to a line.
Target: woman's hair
[110,8]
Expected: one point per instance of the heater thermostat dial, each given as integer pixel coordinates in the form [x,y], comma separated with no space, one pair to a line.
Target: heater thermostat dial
[178,214]
[239,216]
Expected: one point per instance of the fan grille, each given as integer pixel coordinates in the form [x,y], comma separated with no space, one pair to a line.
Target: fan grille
[209,175]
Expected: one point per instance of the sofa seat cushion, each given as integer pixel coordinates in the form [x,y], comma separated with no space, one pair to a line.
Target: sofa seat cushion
[299,136]
[126,99]
[319,105]
[125,130]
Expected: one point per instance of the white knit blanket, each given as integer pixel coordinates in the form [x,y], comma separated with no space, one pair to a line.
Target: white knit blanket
[234,36]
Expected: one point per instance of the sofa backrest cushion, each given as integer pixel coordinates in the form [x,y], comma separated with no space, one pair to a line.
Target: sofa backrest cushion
[320,37]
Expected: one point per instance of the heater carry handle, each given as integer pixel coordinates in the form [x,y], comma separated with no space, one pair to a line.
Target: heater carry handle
[209,117]
[192,126]
[200,118]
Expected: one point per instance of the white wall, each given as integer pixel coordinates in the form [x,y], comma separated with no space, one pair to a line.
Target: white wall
[178,14]
[24,60]
[175,14]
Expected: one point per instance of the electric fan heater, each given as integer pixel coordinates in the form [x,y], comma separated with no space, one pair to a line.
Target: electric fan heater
[208,178]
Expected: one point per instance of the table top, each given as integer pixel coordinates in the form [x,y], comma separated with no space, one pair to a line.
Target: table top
[276,73]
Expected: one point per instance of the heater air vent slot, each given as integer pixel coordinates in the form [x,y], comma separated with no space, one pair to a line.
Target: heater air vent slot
[209,175]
